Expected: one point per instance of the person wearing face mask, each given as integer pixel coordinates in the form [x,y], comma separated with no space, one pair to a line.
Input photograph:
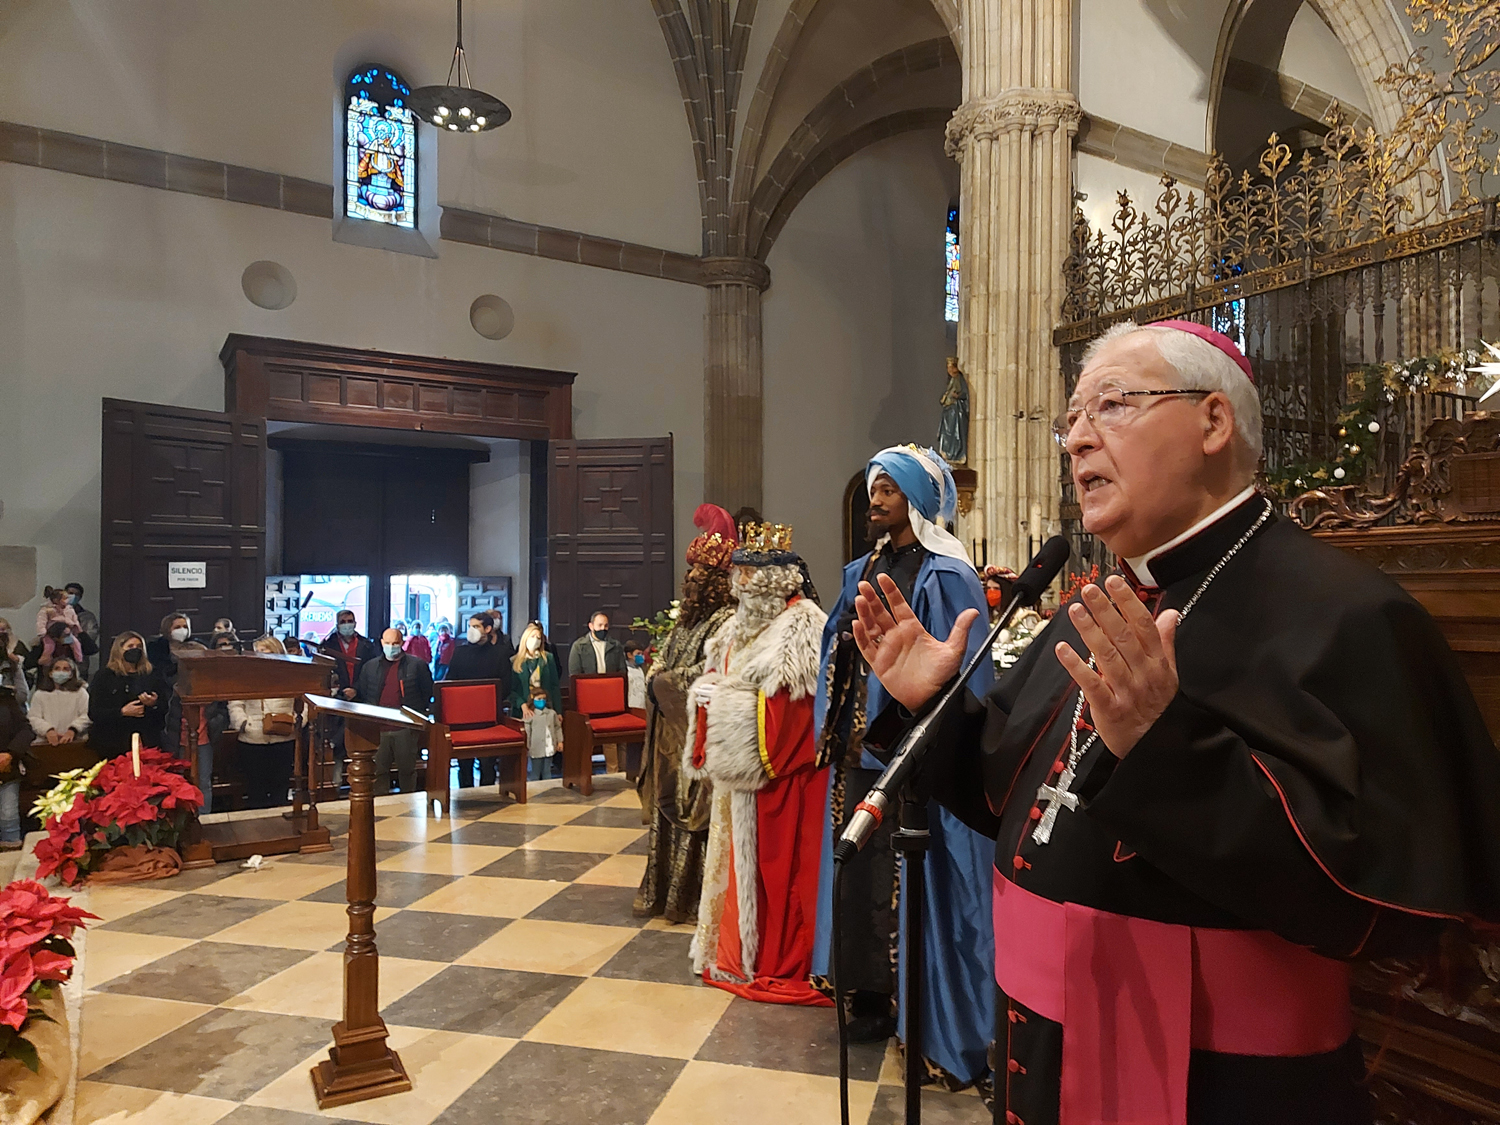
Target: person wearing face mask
[88,626]
[55,607]
[15,761]
[13,664]
[60,640]
[534,667]
[635,675]
[162,651]
[480,658]
[59,710]
[442,652]
[397,679]
[129,695]
[417,644]
[544,732]
[596,651]
[998,581]
[350,651]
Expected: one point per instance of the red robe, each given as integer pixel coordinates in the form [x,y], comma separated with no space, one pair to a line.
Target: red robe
[758,745]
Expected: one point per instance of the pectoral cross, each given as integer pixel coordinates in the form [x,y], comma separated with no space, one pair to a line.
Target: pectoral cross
[1057,797]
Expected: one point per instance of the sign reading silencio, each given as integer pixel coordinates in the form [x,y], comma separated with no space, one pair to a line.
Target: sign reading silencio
[187,576]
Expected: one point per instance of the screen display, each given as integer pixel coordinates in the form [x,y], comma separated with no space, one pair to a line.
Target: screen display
[323,596]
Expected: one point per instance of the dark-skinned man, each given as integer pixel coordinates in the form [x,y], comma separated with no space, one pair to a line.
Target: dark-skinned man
[912,504]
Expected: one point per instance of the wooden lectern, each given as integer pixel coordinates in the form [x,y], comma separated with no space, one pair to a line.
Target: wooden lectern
[360,1064]
[212,677]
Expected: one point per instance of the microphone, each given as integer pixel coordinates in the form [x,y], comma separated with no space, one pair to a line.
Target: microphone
[867,817]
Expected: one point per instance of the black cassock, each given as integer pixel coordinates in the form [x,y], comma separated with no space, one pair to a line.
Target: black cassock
[1323,773]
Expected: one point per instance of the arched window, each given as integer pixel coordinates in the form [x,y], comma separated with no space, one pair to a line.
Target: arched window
[380,149]
[950,241]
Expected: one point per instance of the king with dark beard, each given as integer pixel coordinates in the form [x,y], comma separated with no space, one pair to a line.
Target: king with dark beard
[677,808]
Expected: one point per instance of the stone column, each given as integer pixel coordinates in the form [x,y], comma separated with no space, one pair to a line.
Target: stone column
[1013,136]
[733,402]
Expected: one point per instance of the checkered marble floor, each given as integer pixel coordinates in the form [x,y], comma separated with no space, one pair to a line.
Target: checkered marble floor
[516,984]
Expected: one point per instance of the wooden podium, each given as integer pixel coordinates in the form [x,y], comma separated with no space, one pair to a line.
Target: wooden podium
[360,1064]
[211,677]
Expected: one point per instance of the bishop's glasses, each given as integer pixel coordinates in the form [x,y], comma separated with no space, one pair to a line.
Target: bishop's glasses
[1109,410]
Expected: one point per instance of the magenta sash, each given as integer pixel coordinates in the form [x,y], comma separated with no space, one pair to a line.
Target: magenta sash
[1135,997]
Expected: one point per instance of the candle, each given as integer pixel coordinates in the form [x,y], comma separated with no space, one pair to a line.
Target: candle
[135,753]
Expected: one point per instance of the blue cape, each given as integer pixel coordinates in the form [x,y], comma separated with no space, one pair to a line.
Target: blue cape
[959,964]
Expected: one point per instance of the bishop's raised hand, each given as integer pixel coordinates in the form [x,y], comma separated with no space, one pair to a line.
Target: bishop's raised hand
[910,663]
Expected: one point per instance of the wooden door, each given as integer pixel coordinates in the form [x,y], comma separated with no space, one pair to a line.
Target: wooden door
[180,486]
[475,594]
[609,508]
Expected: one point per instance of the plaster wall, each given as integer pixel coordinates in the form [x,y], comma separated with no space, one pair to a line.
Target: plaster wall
[113,290]
[500,523]
[599,141]
[854,334]
[1313,54]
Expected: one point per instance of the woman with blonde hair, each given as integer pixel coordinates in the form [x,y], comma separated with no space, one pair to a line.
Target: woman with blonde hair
[266,734]
[127,696]
[535,668]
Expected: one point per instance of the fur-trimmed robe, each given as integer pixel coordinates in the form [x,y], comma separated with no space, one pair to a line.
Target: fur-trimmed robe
[754,740]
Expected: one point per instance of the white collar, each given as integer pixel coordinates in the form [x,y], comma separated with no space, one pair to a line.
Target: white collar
[1140,567]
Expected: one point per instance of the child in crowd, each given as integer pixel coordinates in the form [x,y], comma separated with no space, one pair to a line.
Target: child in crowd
[635,675]
[266,734]
[59,709]
[544,735]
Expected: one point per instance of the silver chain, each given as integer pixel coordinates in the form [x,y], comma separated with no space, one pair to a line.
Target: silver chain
[1076,751]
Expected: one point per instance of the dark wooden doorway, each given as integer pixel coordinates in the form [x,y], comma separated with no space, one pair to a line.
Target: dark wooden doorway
[609,535]
[180,485]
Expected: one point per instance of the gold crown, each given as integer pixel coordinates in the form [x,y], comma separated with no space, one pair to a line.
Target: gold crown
[762,537]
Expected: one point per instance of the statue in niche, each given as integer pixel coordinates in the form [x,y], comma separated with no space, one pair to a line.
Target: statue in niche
[953,431]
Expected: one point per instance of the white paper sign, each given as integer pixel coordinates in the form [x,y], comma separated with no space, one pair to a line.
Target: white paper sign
[187,576]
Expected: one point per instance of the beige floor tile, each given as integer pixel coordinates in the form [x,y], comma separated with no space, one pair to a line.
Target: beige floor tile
[743,1095]
[629,799]
[616,871]
[568,948]
[102,1104]
[441,1064]
[111,954]
[415,829]
[490,898]
[296,925]
[113,1026]
[661,925]
[444,859]
[642,1017]
[315,987]
[284,881]
[892,1072]
[586,838]
[537,813]
[116,902]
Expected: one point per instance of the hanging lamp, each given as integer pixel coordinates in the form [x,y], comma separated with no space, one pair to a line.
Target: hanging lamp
[461,108]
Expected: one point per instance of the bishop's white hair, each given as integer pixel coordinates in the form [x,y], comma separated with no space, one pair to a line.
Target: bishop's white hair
[1198,364]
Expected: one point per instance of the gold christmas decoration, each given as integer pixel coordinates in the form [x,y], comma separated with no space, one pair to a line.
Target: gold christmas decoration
[761,538]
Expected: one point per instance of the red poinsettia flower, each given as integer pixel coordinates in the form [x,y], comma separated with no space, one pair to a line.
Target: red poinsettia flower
[15,978]
[48,965]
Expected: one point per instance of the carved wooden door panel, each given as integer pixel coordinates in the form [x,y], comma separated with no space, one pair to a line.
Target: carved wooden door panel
[180,486]
[609,510]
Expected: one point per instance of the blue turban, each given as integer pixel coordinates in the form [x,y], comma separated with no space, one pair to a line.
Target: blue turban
[925,480]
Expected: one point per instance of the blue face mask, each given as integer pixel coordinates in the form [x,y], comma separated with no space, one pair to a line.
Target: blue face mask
[540,703]
[346,628]
[392,652]
[640,659]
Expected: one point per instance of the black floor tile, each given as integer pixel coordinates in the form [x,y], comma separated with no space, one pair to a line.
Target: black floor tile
[392,888]
[529,864]
[481,1001]
[207,972]
[426,936]
[221,1054]
[493,834]
[787,1037]
[938,1108]
[640,847]
[653,956]
[611,818]
[191,916]
[543,1084]
[600,906]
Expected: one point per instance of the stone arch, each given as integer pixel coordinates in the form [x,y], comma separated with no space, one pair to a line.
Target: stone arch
[883,99]
[1368,32]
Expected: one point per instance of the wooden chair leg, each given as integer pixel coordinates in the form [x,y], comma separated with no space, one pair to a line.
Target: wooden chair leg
[611,758]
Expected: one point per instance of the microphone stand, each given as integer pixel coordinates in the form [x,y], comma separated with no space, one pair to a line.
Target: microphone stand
[911,840]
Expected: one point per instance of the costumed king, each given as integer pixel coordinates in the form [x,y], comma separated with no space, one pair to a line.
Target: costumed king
[677,809]
[750,732]
[1243,760]
[913,502]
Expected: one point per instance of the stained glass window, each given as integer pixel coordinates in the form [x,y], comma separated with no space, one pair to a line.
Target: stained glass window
[380,149]
[950,309]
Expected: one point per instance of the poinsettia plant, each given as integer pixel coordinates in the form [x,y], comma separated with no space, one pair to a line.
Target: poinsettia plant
[119,809]
[35,956]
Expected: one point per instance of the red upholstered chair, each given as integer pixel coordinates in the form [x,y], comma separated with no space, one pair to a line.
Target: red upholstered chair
[599,717]
[472,725]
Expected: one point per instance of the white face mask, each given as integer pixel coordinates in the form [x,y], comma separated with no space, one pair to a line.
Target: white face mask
[476,634]
[392,651]
[533,643]
[180,634]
